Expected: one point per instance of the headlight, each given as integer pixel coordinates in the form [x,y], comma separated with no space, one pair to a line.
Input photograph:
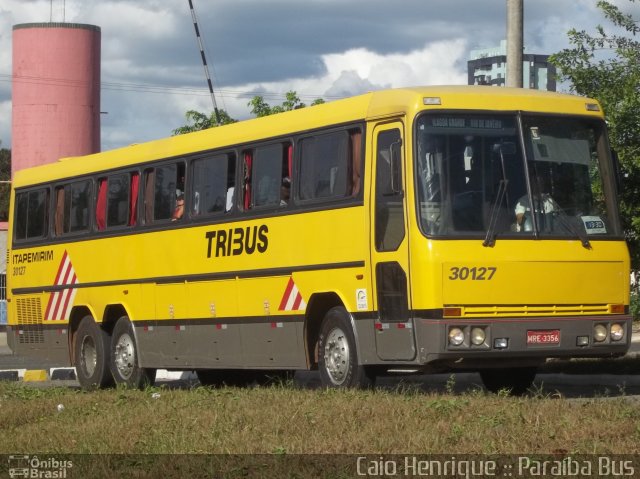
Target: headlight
[599,333]
[478,336]
[456,336]
[617,332]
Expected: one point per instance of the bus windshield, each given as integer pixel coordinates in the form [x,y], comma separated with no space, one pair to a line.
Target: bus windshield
[473,176]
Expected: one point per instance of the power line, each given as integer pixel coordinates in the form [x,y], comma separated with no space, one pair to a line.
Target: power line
[159,89]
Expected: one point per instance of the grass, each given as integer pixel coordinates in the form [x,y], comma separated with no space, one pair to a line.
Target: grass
[284,431]
[284,420]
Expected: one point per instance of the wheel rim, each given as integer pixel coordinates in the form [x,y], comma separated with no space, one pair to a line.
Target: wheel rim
[125,356]
[336,356]
[88,355]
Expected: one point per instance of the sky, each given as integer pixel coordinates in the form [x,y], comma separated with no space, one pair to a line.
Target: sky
[152,71]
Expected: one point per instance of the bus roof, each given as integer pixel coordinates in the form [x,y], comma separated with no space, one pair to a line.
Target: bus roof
[372,105]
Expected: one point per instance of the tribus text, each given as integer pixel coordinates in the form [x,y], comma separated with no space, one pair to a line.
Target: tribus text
[236,241]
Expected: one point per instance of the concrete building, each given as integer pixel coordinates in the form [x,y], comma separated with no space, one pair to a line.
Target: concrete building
[55,92]
[55,102]
[488,67]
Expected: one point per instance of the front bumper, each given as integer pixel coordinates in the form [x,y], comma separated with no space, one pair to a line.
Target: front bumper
[520,339]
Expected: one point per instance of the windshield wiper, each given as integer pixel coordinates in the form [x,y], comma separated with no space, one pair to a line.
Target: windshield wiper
[490,239]
[571,226]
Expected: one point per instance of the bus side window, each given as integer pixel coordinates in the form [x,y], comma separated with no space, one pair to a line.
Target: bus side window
[267,175]
[389,214]
[213,185]
[72,208]
[163,186]
[118,200]
[325,166]
[32,214]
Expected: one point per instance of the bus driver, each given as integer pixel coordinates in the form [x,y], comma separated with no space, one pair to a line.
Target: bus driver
[543,203]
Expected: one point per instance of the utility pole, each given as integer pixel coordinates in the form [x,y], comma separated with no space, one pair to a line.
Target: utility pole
[204,62]
[515,35]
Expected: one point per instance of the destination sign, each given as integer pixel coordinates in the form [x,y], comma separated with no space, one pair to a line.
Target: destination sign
[474,123]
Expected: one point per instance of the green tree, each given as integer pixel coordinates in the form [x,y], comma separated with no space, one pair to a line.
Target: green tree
[5,188]
[197,121]
[606,66]
[292,101]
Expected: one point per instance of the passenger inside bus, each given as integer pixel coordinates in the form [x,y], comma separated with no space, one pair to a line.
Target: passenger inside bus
[285,191]
[544,206]
[179,209]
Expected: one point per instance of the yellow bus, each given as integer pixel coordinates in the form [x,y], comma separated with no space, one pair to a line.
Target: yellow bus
[422,229]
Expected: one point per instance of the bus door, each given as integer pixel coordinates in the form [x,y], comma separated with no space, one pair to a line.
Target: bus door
[390,252]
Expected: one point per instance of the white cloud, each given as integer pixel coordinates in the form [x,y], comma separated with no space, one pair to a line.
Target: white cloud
[310,48]
[360,70]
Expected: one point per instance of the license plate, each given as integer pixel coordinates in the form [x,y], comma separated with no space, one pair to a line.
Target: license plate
[543,337]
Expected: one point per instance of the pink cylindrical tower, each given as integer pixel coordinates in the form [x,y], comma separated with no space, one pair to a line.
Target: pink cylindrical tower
[55,92]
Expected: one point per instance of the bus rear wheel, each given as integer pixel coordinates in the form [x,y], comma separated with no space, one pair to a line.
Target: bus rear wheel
[91,355]
[124,358]
[514,380]
[337,354]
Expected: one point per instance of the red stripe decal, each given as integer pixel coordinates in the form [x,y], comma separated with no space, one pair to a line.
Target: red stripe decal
[285,297]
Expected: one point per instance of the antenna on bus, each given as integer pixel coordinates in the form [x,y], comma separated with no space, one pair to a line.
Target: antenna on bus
[204,61]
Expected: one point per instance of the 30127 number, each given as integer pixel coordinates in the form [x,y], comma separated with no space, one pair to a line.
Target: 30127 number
[472,274]
[19,270]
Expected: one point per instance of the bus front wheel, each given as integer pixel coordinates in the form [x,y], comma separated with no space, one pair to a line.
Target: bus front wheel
[337,355]
[124,358]
[514,380]
[91,355]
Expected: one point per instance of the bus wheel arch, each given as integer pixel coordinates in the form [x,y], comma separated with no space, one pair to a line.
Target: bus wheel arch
[317,307]
[112,313]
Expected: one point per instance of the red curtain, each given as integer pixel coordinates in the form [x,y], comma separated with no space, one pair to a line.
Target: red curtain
[101,205]
[247,179]
[290,158]
[133,203]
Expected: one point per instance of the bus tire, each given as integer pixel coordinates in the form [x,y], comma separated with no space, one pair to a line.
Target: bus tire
[124,358]
[514,380]
[91,355]
[337,354]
